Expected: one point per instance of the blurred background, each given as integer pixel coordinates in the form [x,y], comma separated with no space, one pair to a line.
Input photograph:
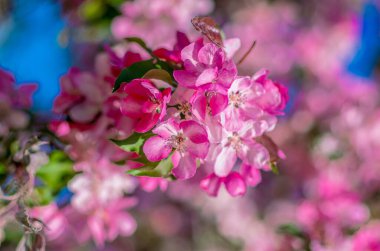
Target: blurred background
[326,196]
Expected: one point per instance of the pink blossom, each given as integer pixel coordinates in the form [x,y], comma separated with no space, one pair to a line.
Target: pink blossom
[174,55]
[119,63]
[234,183]
[144,104]
[189,141]
[229,146]
[206,66]
[12,102]
[368,237]
[156,21]
[81,97]
[180,102]
[149,184]
[52,217]
[106,223]
[257,99]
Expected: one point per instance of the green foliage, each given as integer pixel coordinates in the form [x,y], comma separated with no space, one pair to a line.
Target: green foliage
[290,229]
[54,176]
[133,143]
[138,70]
[154,169]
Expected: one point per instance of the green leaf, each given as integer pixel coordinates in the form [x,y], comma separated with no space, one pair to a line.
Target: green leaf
[134,142]
[162,168]
[160,75]
[140,42]
[41,196]
[139,69]
[57,172]
[136,70]
[165,166]
[274,168]
[290,229]
[145,171]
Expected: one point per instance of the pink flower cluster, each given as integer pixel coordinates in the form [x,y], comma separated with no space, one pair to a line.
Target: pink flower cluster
[215,117]
[13,103]
[208,117]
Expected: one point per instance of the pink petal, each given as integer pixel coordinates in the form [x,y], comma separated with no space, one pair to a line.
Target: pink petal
[127,224]
[131,107]
[235,184]
[156,149]
[186,168]
[199,107]
[211,184]
[96,227]
[176,157]
[240,84]
[206,54]
[225,161]
[218,103]
[167,128]
[257,156]
[261,76]
[83,113]
[185,78]
[206,77]
[232,46]
[146,122]
[194,131]
[252,175]
[138,88]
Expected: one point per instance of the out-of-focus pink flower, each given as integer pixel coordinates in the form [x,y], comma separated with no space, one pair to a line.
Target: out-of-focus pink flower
[207,67]
[155,21]
[106,223]
[99,196]
[82,96]
[52,217]
[149,184]
[234,183]
[367,238]
[332,207]
[144,104]
[281,20]
[188,139]
[12,102]
[119,63]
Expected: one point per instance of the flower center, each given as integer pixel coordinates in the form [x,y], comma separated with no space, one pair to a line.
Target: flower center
[185,108]
[236,99]
[235,141]
[157,103]
[177,142]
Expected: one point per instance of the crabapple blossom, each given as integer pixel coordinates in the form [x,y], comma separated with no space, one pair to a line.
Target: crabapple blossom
[187,138]
[206,67]
[144,104]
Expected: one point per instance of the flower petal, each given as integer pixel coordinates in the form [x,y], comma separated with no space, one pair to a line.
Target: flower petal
[211,184]
[156,149]
[235,184]
[225,161]
[186,168]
